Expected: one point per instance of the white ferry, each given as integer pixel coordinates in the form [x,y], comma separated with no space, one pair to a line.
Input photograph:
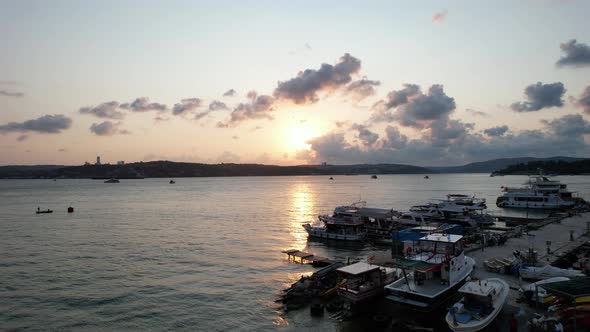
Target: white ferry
[539,193]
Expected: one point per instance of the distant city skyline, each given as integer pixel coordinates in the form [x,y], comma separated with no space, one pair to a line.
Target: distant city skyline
[430,84]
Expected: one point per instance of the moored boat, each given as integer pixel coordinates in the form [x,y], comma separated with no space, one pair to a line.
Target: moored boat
[113,180]
[538,193]
[438,267]
[364,281]
[481,303]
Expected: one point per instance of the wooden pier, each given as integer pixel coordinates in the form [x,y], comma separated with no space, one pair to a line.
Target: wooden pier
[301,257]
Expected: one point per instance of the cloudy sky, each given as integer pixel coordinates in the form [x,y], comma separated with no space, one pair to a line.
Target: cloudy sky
[293,82]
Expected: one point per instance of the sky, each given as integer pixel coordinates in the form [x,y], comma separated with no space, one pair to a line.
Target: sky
[427,83]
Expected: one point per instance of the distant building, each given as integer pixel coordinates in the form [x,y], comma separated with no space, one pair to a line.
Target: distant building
[86,163]
[121,162]
[97,160]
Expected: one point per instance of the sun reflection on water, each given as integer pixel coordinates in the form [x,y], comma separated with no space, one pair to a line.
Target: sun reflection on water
[302,211]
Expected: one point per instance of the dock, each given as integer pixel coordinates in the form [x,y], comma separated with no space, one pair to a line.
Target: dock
[307,258]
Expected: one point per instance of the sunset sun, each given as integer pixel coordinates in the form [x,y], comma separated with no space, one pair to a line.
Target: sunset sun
[297,136]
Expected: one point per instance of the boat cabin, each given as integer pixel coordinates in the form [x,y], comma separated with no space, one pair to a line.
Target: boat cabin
[362,281]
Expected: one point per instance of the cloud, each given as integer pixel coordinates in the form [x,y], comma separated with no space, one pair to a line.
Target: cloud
[305,48]
[161,119]
[107,128]
[47,124]
[475,112]
[228,157]
[22,138]
[561,136]
[109,110]
[366,136]
[400,97]
[496,131]
[229,93]
[540,96]
[440,17]
[142,104]
[235,137]
[584,100]
[568,125]
[251,95]
[218,106]
[259,108]
[361,89]
[186,106]
[257,128]
[61,150]
[576,54]
[414,108]
[304,88]
[11,94]
[395,139]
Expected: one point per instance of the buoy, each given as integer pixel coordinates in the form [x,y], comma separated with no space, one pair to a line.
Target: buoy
[70,210]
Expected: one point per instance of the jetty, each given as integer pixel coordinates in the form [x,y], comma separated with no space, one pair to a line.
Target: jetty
[301,257]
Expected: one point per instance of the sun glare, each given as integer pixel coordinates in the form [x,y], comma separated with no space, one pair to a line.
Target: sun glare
[297,136]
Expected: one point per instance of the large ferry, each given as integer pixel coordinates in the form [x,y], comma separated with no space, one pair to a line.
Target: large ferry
[538,193]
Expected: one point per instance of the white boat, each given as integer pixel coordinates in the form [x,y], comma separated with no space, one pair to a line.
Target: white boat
[363,281]
[542,296]
[539,193]
[462,203]
[338,229]
[547,271]
[438,267]
[412,219]
[481,303]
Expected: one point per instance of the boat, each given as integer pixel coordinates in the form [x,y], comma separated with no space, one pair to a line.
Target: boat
[541,296]
[428,211]
[113,180]
[538,193]
[171,182]
[373,176]
[331,178]
[462,202]
[547,271]
[426,177]
[43,211]
[364,281]
[438,268]
[337,229]
[481,303]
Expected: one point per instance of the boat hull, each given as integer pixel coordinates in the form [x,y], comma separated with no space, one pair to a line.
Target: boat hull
[424,302]
[322,233]
[477,325]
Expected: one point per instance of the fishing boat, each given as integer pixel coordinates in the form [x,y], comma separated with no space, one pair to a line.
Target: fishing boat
[481,303]
[364,281]
[373,176]
[538,193]
[113,180]
[43,211]
[172,182]
[438,267]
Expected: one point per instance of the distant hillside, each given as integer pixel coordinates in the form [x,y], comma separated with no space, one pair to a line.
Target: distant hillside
[167,169]
[496,164]
[557,167]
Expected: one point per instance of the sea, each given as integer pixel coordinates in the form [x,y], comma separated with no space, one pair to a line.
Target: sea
[203,254]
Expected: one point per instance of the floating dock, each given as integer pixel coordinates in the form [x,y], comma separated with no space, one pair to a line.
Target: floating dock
[307,258]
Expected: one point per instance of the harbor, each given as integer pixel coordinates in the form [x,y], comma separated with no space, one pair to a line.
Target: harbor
[432,264]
